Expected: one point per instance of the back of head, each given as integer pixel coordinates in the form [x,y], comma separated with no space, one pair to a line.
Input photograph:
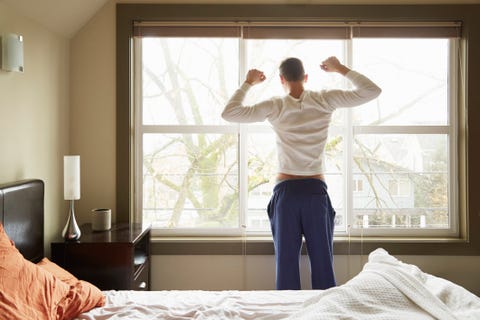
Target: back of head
[291,69]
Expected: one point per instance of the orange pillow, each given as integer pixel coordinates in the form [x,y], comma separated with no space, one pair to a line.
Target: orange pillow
[82,296]
[57,271]
[27,291]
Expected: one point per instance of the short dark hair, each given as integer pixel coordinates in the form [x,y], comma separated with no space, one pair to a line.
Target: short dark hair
[292,69]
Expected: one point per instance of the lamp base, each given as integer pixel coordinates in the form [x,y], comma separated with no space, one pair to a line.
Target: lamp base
[71,231]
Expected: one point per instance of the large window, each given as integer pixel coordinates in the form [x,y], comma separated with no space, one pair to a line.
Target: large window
[389,163]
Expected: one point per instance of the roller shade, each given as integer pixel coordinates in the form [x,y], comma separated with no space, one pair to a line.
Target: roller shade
[292,32]
[453,31]
[149,30]
[300,30]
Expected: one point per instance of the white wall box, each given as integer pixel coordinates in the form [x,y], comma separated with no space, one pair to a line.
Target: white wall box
[11,52]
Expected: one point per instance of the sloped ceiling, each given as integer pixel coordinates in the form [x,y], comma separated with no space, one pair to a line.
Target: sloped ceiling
[66,17]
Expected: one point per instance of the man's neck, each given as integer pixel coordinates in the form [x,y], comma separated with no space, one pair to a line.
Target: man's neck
[296,90]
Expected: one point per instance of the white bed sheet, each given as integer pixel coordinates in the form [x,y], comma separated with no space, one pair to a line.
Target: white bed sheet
[386,288]
[192,304]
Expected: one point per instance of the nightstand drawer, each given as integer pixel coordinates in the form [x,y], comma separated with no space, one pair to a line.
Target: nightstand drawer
[141,281]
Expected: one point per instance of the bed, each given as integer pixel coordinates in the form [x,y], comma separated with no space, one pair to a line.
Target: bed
[386,288]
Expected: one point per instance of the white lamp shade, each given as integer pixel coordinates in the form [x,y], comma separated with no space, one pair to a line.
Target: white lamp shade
[71,177]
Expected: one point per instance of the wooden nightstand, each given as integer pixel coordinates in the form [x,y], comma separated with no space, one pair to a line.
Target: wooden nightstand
[118,259]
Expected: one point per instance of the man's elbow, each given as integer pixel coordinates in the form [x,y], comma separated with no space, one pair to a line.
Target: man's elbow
[226,115]
[376,91]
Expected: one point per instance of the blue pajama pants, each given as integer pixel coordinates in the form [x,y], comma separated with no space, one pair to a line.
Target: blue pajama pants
[302,207]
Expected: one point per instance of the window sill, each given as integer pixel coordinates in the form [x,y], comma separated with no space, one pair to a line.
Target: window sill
[263,245]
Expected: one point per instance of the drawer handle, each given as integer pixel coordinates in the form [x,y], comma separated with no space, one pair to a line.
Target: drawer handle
[142,285]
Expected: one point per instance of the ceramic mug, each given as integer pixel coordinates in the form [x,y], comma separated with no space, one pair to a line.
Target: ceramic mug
[101,219]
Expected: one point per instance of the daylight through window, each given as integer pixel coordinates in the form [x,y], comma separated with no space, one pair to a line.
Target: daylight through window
[389,163]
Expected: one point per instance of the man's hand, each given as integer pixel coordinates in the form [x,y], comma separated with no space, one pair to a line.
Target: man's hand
[255,76]
[332,64]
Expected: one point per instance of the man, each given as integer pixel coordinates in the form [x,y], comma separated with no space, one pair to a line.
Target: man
[300,204]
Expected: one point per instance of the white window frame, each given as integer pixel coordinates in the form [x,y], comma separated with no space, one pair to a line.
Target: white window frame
[348,131]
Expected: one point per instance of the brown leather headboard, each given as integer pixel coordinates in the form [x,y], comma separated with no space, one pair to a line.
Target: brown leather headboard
[21,213]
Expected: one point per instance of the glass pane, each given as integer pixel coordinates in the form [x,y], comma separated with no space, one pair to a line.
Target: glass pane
[266,55]
[190,180]
[262,163]
[404,179]
[187,81]
[334,176]
[413,75]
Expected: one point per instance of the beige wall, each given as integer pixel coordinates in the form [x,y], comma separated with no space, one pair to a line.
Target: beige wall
[92,117]
[34,114]
[257,272]
[93,137]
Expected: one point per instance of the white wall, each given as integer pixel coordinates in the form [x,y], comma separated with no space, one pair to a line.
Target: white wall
[34,114]
[93,137]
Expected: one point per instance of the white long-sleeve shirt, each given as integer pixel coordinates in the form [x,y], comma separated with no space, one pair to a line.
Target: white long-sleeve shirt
[301,125]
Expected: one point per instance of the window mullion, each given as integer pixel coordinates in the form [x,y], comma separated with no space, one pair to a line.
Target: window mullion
[242,143]
[243,176]
[242,57]
[397,129]
[348,156]
[189,129]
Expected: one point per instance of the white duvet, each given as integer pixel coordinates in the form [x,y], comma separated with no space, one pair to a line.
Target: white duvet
[385,289]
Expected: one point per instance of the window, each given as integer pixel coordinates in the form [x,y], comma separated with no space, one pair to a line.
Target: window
[389,163]
[399,188]
[357,185]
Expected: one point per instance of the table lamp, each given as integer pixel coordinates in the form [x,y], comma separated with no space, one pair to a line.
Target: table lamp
[71,192]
